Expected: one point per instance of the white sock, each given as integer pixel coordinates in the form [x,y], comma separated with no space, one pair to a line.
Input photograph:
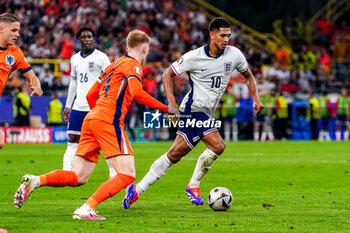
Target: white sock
[157,170]
[270,135]
[338,135]
[346,135]
[328,138]
[84,207]
[227,131]
[321,135]
[68,157]
[263,136]
[204,162]
[256,136]
[235,136]
[112,172]
[36,182]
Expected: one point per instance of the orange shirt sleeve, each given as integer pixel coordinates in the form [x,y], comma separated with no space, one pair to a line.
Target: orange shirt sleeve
[21,62]
[133,72]
[92,95]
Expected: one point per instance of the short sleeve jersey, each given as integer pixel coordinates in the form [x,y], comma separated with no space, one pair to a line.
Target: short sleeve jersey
[208,76]
[11,58]
[86,71]
[114,95]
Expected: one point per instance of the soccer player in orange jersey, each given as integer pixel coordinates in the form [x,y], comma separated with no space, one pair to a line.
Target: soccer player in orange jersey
[12,58]
[103,129]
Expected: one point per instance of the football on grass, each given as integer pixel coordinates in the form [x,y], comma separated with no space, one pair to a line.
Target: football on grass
[220,199]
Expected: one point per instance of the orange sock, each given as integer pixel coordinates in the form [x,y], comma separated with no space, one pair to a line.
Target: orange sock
[109,189]
[59,178]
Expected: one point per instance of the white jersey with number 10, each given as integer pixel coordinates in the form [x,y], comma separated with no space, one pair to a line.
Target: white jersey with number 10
[208,77]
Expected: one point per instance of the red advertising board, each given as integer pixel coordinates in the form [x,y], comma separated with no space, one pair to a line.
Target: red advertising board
[26,135]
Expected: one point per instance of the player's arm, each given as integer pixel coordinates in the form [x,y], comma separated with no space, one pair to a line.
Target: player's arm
[140,95]
[72,91]
[33,82]
[92,95]
[167,79]
[250,81]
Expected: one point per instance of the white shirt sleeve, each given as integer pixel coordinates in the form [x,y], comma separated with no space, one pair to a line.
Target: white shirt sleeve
[105,61]
[72,91]
[183,64]
[73,72]
[241,63]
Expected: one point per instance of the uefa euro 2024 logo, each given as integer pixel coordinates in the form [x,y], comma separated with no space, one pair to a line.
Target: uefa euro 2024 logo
[154,120]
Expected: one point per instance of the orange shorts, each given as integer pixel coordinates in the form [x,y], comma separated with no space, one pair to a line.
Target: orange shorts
[99,135]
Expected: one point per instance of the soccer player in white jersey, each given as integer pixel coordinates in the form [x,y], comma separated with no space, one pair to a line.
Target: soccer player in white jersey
[209,69]
[86,66]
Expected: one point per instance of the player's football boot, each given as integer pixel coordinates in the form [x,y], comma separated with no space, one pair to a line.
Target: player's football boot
[130,197]
[194,194]
[88,214]
[25,189]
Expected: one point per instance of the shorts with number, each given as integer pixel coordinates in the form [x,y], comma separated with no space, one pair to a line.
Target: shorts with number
[75,122]
[192,135]
[97,135]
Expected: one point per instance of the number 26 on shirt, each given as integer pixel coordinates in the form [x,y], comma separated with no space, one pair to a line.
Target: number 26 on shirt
[83,78]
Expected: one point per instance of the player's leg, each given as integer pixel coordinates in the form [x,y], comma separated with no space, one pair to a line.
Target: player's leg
[264,131]
[228,128]
[75,123]
[235,130]
[120,155]
[216,147]
[2,140]
[69,155]
[57,178]
[270,130]
[346,130]
[76,119]
[257,124]
[339,124]
[84,164]
[157,170]
[125,167]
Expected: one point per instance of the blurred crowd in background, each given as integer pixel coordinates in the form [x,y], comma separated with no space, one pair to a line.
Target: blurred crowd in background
[48,31]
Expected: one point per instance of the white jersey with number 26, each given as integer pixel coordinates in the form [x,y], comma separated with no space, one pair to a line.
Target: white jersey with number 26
[208,76]
[86,70]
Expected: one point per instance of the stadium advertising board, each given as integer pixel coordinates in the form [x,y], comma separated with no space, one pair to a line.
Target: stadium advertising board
[27,135]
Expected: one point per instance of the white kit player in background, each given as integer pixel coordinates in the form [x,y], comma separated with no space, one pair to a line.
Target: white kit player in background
[209,70]
[86,66]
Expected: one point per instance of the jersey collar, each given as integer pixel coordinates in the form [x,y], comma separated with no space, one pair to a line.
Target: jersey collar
[206,50]
[81,53]
[126,55]
[3,49]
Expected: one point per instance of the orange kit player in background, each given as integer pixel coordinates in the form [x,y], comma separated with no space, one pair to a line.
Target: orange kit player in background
[103,128]
[12,58]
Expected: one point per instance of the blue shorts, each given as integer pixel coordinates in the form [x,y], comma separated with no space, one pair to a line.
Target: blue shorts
[76,119]
[261,118]
[229,119]
[341,119]
[191,132]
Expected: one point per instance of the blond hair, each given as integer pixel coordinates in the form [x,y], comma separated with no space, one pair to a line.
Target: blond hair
[8,18]
[136,38]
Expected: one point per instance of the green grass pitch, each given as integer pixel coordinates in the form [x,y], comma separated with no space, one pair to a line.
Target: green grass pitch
[277,187]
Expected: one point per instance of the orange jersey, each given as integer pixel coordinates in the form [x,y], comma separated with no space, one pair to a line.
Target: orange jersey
[118,85]
[11,58]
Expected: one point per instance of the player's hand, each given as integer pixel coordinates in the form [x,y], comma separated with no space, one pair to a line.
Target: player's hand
[36,91]
[258,107]
[173,113]
[66,114]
